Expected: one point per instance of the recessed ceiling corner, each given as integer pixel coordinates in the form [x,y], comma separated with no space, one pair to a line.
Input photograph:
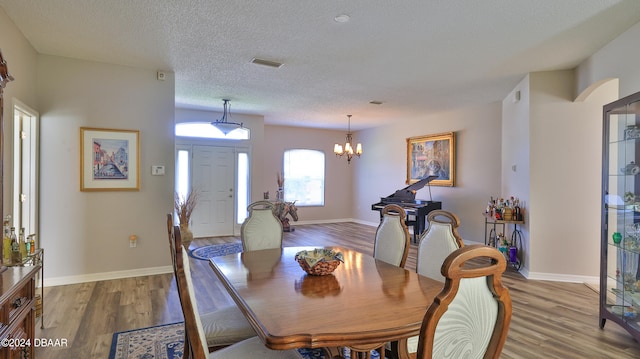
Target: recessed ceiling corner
[268,63]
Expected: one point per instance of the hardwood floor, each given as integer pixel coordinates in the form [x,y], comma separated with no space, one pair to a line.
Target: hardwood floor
[550,319]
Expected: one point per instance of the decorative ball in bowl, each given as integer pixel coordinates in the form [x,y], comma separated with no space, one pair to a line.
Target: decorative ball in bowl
[319,261]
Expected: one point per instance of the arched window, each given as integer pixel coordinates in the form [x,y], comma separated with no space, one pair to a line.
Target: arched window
[205,130]
[304,177]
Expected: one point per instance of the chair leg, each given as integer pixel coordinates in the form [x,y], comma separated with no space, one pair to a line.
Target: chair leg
[367,354]
[186,349]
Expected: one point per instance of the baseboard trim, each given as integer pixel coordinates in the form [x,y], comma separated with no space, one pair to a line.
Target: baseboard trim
[553,277]
[336,220]
[49,282]
[95,277]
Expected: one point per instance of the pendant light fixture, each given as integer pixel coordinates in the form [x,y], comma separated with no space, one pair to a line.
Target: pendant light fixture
[348,147]
[223,124]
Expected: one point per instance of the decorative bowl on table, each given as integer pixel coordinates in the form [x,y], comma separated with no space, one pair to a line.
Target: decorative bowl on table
[319,261]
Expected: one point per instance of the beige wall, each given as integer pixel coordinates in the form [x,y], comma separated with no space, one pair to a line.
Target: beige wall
[383,166]
[618,59]
[338,174]
[86,233]
[255,144]
[21,60]
[516,151]
[267,145]
[560,183]
[564,243]
[566,167]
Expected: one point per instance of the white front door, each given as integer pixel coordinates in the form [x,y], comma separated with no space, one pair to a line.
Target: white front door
[213,178]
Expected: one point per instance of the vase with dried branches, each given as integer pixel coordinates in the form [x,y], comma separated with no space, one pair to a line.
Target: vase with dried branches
[184,206]
[280,191]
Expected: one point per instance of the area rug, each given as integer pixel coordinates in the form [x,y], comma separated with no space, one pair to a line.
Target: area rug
[216,250]
[167,342]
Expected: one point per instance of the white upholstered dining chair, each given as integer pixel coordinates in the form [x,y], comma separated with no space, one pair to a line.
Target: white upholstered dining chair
[223,326]
[391,245]
[439,240]
[470,317]
[196,345]
[261,229]
[392,236]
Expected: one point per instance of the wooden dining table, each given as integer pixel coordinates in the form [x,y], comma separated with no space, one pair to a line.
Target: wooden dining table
[363,304]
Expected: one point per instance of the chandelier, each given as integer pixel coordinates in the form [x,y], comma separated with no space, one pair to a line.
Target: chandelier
[348,147]
[223,124]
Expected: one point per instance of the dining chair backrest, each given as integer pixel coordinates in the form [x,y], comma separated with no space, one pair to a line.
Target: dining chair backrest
[437,242]
[391,245]
[262,229]
[471,315]
[170,234]
[392,236]
[197,341]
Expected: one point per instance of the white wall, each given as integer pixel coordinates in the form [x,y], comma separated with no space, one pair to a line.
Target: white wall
[383,166]
[86,233]
[21,61]
[516,151]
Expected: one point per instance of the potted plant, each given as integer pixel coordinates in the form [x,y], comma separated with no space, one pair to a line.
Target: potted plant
[184,206]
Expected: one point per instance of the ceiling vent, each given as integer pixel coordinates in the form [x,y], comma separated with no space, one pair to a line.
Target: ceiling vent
[268,63]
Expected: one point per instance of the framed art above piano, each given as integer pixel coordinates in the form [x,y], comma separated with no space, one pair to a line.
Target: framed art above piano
[432,155]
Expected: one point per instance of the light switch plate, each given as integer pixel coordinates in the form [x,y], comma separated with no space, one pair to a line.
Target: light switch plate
[157,170]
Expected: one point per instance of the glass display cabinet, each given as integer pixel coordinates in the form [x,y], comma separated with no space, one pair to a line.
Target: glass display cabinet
[620,242]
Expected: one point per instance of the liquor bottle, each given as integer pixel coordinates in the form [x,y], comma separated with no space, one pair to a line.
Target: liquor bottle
[22,244]
[6,243]
[27,243]
[32,242]
[516,210]
[15,247]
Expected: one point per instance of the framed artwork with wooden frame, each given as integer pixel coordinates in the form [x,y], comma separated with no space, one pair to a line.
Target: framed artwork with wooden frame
[432,155]
[109,159]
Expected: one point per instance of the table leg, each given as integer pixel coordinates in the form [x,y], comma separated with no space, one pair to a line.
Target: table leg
[420,224]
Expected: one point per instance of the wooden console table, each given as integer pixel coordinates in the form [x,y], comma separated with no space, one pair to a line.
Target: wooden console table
[17,307]
[35,259]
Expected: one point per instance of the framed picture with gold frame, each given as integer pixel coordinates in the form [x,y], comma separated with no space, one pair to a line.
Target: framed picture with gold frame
[432,155]
[109,159]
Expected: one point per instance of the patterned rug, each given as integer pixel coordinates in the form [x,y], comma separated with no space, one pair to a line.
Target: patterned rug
[216,250]
[167,342]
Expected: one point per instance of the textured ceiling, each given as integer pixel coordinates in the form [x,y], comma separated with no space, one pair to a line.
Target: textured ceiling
[415,56]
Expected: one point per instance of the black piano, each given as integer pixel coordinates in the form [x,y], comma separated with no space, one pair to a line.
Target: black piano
[416,209]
